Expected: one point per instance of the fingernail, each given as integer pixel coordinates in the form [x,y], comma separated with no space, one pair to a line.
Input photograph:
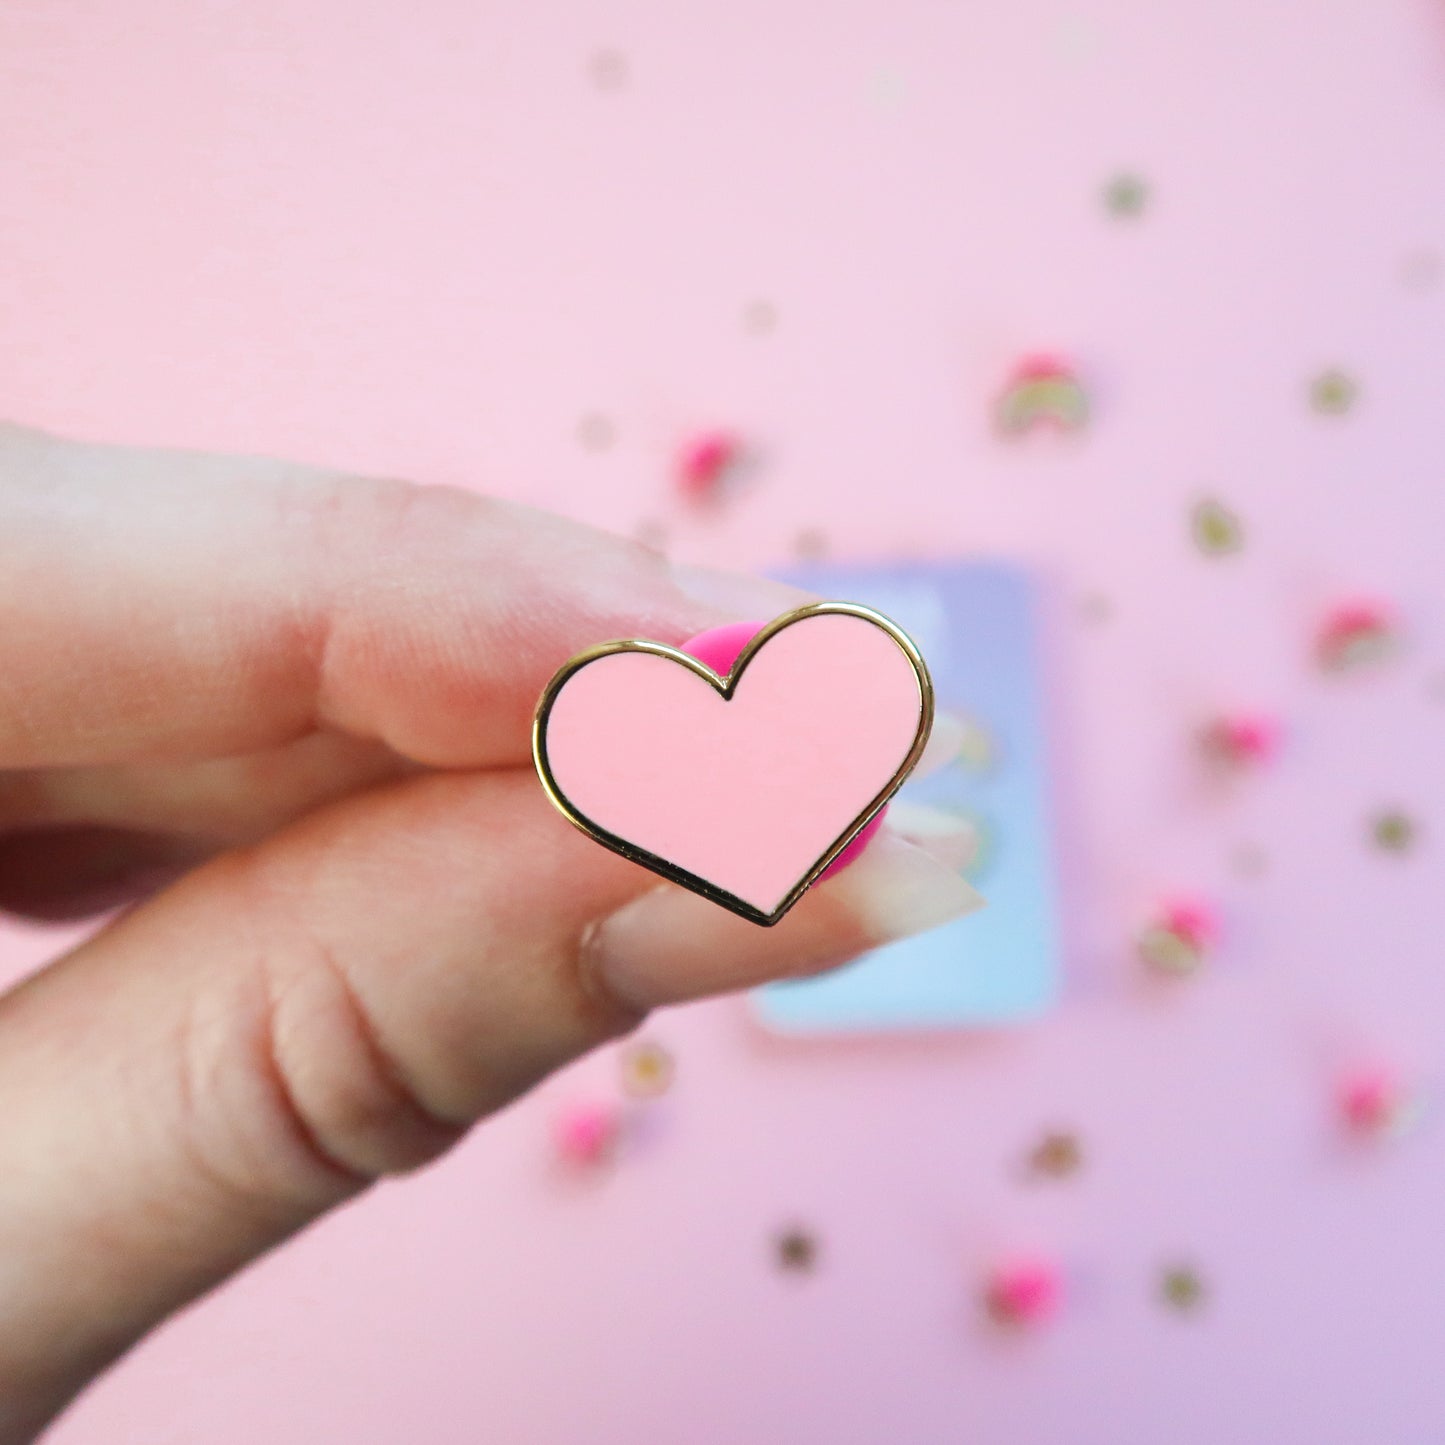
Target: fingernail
[943,745]
[898,888]
[668,946]
[737,593]
[950,839]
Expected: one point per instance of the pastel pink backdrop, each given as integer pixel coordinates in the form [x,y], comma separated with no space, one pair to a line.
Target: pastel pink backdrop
[432,238]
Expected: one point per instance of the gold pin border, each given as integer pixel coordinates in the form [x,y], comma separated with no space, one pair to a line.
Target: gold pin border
[726,686]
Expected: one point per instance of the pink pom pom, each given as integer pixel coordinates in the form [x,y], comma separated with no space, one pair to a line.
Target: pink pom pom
[1193,920]
[1243,739]
[1181,936]
[1375,1102]
[586,1132]
[705,463]
[1043,392]
[1357,633]
[1042,366]
[1026,1290]
[720,647]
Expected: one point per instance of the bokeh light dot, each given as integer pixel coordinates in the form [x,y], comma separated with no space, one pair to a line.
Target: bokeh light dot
[760,318]
[1126,196]
[1057,1155]
[647,1069]
[1181,1288]
[1333,392]
[1216,530]
[796,1249]
[608,69]
[1393,831]
[595,432]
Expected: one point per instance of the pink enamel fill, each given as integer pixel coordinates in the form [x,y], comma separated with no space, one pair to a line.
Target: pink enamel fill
[749,793]
[719,647]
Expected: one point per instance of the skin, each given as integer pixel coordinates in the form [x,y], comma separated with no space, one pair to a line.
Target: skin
[283,717]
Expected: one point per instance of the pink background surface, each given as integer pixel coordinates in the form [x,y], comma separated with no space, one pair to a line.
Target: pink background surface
[423,239]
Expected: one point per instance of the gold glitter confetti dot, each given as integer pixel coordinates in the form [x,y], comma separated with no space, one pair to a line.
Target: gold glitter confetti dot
[1168,952]
[647,1069]
[1216,530]
[1333,393]
[796,1250]
[1058,1155]
[1393,831]
[1181,1288]
[1126,196]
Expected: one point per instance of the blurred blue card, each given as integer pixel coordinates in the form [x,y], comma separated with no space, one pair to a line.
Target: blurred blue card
[976,625]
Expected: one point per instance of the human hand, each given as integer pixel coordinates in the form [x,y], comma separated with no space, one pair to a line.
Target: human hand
[287,715]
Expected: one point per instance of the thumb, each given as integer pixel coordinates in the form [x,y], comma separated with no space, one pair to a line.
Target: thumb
[290,1022]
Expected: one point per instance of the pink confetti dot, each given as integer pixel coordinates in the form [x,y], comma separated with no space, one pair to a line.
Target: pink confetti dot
[1181,936]
[1374,1101]
[1249,739]
[1025,1290]
[705,463]
[1042,393]
[586,1132]
[1357,633]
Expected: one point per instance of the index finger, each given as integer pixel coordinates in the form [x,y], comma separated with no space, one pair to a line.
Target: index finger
[172,605]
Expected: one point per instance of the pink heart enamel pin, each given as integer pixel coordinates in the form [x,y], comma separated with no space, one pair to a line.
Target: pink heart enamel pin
[741,786]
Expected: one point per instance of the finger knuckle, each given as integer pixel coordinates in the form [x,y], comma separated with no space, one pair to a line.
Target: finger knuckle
[353,1100]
